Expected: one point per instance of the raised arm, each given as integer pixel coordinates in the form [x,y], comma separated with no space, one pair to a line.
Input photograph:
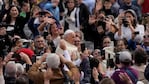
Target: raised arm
[2,81]
[140,2]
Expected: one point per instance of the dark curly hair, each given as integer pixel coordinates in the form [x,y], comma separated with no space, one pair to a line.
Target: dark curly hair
[140,56]
[8,18]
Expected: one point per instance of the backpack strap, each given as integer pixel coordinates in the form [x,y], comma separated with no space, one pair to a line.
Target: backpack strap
[131,75]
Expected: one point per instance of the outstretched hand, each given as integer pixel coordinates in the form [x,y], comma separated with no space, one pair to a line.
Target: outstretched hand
[124,77]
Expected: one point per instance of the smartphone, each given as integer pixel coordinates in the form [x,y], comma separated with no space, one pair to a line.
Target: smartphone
[137,32]
[27,67]
[83,47]
[103,54]
[117,61]
[110,63]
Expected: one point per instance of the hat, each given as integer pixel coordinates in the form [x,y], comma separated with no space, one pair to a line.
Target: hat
[132,12]
[125,56]
[43,12]
[27,51]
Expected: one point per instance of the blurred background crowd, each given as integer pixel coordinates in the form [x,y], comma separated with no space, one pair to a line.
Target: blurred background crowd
[74,41]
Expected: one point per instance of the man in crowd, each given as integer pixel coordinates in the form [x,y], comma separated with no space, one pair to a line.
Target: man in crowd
[39,45]
[125,60]
[53,73]
[68,41]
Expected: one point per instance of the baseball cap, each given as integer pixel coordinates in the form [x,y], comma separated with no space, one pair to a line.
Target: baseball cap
[125,56]
[44,12]
[132,12]
[27,51]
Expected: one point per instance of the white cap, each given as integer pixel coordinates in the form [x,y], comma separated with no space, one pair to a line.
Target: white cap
[125,56]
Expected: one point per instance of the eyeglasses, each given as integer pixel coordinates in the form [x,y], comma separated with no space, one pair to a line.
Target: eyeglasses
[146,36]
[42,15]
[77,41]
[39,41]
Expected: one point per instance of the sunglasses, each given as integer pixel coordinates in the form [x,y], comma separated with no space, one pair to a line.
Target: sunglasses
[146,36]
[40,41]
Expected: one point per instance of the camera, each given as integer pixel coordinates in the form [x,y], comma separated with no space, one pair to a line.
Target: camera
[125,22]
[137,32]
[16,56]
[26,43]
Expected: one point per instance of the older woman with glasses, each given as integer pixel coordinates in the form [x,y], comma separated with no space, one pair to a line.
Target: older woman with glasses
[70,16]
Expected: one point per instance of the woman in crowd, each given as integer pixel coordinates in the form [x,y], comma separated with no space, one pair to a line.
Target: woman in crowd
[11,19]
[129,28]
[16,19]
[121,45]
[70,16]
[54,31]
[98,6]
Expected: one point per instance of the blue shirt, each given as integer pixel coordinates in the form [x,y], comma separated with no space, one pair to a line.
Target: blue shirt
[54,10]
[90,4]
[42,4]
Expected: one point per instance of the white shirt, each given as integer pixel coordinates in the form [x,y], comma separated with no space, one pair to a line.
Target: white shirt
[71,20]
[72,49]
[56,41]
[126,33]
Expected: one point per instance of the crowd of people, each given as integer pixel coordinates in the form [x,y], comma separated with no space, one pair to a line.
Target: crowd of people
[74,41]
